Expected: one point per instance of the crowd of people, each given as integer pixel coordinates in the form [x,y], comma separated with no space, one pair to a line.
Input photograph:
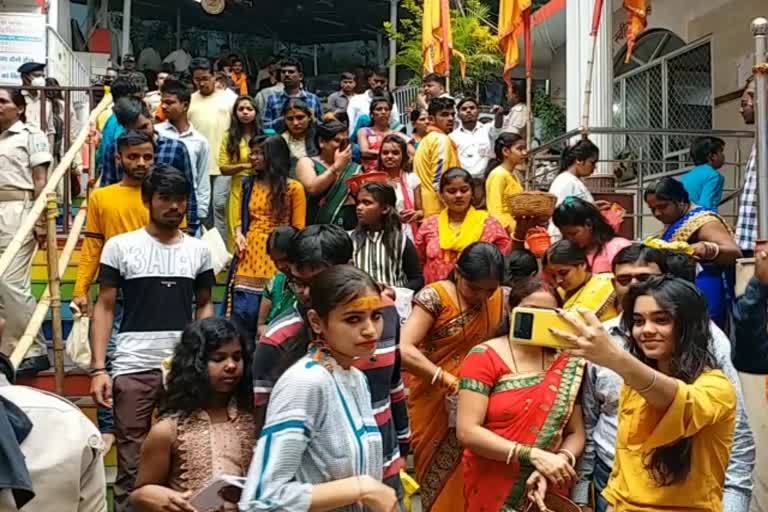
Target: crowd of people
[371,307]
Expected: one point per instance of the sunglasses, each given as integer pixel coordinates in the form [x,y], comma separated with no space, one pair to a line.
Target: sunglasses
[627,279]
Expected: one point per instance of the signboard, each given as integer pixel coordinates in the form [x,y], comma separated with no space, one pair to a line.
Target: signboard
[22,39]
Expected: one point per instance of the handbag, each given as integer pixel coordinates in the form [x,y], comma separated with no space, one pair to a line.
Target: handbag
[78,348]
[220,257]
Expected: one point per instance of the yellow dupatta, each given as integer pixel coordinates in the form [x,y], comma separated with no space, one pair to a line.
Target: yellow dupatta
[471,230]
[597,295]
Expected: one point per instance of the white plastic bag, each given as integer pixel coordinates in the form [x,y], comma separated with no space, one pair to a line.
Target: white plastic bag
[220,258]
[403,303]
[78,348]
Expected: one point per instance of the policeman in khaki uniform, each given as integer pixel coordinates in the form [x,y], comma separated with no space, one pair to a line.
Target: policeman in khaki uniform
[24,160]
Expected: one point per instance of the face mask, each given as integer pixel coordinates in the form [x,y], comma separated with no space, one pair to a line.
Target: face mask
[38,81]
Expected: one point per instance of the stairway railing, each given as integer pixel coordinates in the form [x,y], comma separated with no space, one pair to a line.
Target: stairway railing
[46,201]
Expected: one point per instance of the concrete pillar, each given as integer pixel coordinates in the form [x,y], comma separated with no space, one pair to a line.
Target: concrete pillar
[578,52]
[126,42]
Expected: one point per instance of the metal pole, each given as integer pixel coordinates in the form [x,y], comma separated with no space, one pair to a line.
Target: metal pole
[126,42]
[54,284]
[379,49]
[314,60]
[760,31]
[178,27]
[392,44]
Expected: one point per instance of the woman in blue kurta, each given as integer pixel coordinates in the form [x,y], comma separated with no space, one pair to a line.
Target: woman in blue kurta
[709,236]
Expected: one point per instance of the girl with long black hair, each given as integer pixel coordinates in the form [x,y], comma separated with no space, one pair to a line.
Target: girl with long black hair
[270,199]
[582,223]
[234,162]
[381,247]
[207,427]
[500,180]
[393,159]
[677,409]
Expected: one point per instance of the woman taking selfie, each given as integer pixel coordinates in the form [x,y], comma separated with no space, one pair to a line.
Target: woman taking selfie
[518,416]
[393,159]
[677,409]
[443,237]
[320,448]
[449,318]
[325,178]
[565,264]
[581,222]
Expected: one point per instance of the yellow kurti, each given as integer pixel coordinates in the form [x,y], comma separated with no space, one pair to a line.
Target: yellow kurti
[704,411]
[236,187]
[500,186]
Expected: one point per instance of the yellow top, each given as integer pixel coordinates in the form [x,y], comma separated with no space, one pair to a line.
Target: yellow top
[112,211]
[101,119]
[236,186]
[597,295]
[704,411]
[435,155]
[500,186]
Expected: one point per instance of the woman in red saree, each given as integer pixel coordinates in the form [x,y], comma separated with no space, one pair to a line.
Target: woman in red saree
[448,319]
[518,419]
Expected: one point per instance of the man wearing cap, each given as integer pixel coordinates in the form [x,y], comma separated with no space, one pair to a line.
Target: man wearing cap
[33,75]
[129,62]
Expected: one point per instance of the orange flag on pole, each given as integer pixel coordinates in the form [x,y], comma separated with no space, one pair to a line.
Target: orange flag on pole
[436,40]
[510,17]
[637,13]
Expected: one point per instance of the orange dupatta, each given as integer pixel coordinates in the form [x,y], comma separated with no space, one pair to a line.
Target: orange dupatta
[437,453]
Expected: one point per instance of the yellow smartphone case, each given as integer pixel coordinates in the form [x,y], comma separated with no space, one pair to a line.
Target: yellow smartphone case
[530,326]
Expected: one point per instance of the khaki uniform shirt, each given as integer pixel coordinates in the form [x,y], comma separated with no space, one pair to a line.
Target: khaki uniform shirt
[62,452]
[32,112]
[22,147]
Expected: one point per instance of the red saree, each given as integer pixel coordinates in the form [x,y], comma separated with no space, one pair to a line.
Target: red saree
[530,408]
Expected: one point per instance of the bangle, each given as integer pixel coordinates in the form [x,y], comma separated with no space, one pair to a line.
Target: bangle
[96,371]
[714,248]
[569,454]
[512,451]
[649,386]
[524,454]
[437,374]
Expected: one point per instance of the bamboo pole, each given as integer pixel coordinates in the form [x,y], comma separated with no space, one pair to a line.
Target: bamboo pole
[38,316]
[54,285]
[596,18]
[40,203]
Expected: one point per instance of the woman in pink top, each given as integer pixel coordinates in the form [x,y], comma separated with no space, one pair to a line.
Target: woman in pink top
[582,223]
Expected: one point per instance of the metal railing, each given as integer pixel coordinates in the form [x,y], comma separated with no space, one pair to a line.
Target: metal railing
[545,164]
[70,126]
[47,203]
[405,97]
[64,66]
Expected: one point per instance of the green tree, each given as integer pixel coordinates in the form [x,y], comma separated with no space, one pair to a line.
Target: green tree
[471,36]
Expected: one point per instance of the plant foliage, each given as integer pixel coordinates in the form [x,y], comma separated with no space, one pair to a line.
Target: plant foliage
[471,36]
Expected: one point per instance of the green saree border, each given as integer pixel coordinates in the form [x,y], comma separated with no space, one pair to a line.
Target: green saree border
[573,373]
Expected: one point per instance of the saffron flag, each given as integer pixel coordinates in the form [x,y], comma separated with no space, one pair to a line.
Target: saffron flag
[510,17]
[436,40]
[637,14]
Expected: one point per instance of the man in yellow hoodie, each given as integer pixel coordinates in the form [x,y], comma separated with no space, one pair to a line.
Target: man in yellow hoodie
[436,153]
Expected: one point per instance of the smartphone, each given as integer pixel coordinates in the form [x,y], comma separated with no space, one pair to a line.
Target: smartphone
[530,326]
[344,145]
